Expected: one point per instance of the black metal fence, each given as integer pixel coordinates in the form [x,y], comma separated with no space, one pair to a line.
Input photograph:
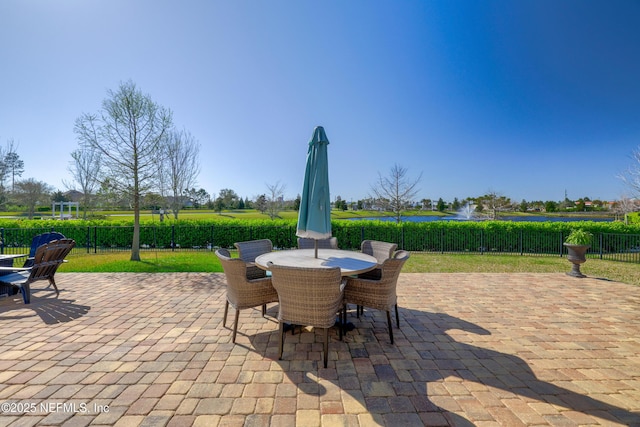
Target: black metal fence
[98,239]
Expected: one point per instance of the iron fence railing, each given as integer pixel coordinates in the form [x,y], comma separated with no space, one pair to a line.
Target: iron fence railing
[96,239]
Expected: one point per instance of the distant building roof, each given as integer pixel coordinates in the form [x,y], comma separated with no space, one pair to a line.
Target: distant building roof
[74,195]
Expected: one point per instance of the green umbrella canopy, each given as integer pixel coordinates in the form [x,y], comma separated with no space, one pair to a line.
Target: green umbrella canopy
[314,217]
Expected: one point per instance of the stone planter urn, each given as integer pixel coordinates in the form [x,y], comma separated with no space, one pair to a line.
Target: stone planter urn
[576,255]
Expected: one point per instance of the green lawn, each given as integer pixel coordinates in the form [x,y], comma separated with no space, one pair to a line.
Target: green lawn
[254,214]
[418,263]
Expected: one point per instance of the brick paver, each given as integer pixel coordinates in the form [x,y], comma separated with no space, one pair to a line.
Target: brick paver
[472,349]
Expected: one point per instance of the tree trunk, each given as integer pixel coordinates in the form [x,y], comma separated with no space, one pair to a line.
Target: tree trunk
[135,244]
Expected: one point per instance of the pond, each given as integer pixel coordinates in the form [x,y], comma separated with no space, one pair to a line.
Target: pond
[533,218]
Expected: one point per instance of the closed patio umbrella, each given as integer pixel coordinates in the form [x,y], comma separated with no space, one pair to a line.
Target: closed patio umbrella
[314,217]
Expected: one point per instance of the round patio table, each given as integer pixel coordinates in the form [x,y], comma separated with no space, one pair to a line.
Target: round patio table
[350,262]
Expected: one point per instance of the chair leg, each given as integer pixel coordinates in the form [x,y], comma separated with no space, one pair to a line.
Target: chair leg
[326,346]
[53,282]
[281,333]
[226,310]
[390,327]
[343,322]
[235,326]
[397,317]
[264,310]
[26,293]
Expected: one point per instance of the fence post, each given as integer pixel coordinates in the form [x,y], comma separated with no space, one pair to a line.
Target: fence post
[2,240]
[173,237]
[521,244]
[561,240]
[601,242]
[95,239]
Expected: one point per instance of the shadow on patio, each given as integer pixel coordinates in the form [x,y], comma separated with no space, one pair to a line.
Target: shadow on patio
[472,349]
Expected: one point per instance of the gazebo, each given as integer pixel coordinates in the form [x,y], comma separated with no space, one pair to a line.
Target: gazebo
[64,205]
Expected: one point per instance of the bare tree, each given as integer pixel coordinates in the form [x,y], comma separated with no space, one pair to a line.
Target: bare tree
[493,203]
[85,170]
[128,133]
[12,163]
[180,165]
[31,193]
[624,206]
[632,176]
[275,199]
[3,176]
[396,191]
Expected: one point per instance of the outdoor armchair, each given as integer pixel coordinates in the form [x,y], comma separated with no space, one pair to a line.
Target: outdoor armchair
[46,260]
[307,243]
[36,241]
[249,250]
[308,296]
[379,294]
[243,292]
[39,240]
[381,251]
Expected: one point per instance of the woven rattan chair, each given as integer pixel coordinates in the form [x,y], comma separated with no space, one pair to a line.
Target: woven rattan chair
[378,294]
[306,243]
[242,292]
[249,250]
[381,251]
[46,261]
[309,297]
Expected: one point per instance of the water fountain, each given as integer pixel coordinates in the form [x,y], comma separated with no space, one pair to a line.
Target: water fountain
[467,212]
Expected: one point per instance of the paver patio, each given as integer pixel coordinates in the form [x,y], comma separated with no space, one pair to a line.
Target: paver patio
[472,349]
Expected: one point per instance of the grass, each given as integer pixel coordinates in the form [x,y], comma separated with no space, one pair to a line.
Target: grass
[152,262]
[146,214]
[158,262]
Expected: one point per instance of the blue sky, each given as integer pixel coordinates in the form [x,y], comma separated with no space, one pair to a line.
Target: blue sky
[528,99]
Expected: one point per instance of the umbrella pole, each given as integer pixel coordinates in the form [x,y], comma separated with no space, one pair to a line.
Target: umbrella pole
[315,245]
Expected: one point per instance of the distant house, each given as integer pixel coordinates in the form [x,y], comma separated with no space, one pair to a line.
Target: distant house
[74,195]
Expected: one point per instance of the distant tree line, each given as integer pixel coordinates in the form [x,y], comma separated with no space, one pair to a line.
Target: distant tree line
[131,156]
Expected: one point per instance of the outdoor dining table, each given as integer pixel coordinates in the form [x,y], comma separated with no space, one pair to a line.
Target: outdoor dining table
[350,262]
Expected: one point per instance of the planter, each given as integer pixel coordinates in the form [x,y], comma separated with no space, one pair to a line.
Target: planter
[576,255]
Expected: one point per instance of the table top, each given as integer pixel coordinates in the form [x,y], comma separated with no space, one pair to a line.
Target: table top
[350,262]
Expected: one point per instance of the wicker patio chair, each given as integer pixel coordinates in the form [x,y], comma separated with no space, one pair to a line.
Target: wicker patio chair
[306,243]
[381,251]
[309,297]
[378,294]
[46,261]
[242,292]
[248,251]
